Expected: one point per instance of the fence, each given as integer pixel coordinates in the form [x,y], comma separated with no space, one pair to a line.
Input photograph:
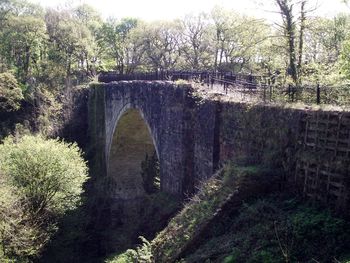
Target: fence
[259,86]
[202,76]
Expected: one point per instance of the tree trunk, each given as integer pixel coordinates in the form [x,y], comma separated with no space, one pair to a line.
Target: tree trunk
[26,63]
[68,71]
[289,27]
[216,50]
[301,38]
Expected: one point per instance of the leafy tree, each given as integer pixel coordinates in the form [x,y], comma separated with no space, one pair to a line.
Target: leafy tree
[113,38]
[4,10]
[162,44]
[22,39]
[70,42]
[10,93]
[324,39]
[90,19]
[24,8]
[136,49]
[238,40]
[44,179]
[345,58]
[196,47]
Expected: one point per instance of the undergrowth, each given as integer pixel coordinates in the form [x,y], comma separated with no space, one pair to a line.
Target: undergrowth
[272,228]
[275,229]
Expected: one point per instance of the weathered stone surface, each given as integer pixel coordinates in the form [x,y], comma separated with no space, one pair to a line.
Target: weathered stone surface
[193,136]
[161,105]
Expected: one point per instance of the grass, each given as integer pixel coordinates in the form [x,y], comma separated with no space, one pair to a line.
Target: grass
[277,228]
[236,216]
[232,183]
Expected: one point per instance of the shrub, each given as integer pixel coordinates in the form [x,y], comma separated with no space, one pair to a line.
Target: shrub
[43,179]
[142,254]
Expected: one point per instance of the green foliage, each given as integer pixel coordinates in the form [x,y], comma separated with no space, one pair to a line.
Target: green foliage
[142,254]
[196,214]
[326,232]
[22,40]
[345,58]
[146,217]
[43,180]
[230,259]
[65,47]
[10,93]
[113,41]
[48,174]
[275,229]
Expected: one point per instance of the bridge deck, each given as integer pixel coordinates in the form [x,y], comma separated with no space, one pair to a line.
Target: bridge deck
[235,87]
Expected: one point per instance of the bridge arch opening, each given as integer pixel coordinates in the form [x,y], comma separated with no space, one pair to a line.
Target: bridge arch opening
[133,166]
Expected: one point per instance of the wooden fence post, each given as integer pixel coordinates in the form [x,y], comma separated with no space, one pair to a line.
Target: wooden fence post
[318,94]
[289,92]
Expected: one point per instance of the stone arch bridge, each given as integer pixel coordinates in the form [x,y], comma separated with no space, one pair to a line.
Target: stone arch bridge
[129,119]
[192,135]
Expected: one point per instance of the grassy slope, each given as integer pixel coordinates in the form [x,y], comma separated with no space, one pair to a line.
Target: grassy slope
[234,219]
[277,228]
[229,188]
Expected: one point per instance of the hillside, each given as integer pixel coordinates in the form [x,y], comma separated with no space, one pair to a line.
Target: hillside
[235,219]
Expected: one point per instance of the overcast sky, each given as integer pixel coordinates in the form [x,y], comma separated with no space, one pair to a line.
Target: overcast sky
[170,9]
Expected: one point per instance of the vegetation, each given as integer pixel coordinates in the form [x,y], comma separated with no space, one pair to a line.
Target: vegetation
[40,181]
[45,54]
[10,93]
[274,228]
[152,216]
[53,50]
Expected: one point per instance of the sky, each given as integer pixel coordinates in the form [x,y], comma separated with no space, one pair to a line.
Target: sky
[169,9]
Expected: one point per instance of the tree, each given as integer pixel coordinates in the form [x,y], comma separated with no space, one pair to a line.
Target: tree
[345,59]
[162,44]
[293,29]
[324,40]
[220,18]
[70,42]
[21,36]
[136,49]
[289,32]
[237,39]
[10,93]
[45,179]
[22,39]
[113,39]
[91,19]
[4,10]
[196,39]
